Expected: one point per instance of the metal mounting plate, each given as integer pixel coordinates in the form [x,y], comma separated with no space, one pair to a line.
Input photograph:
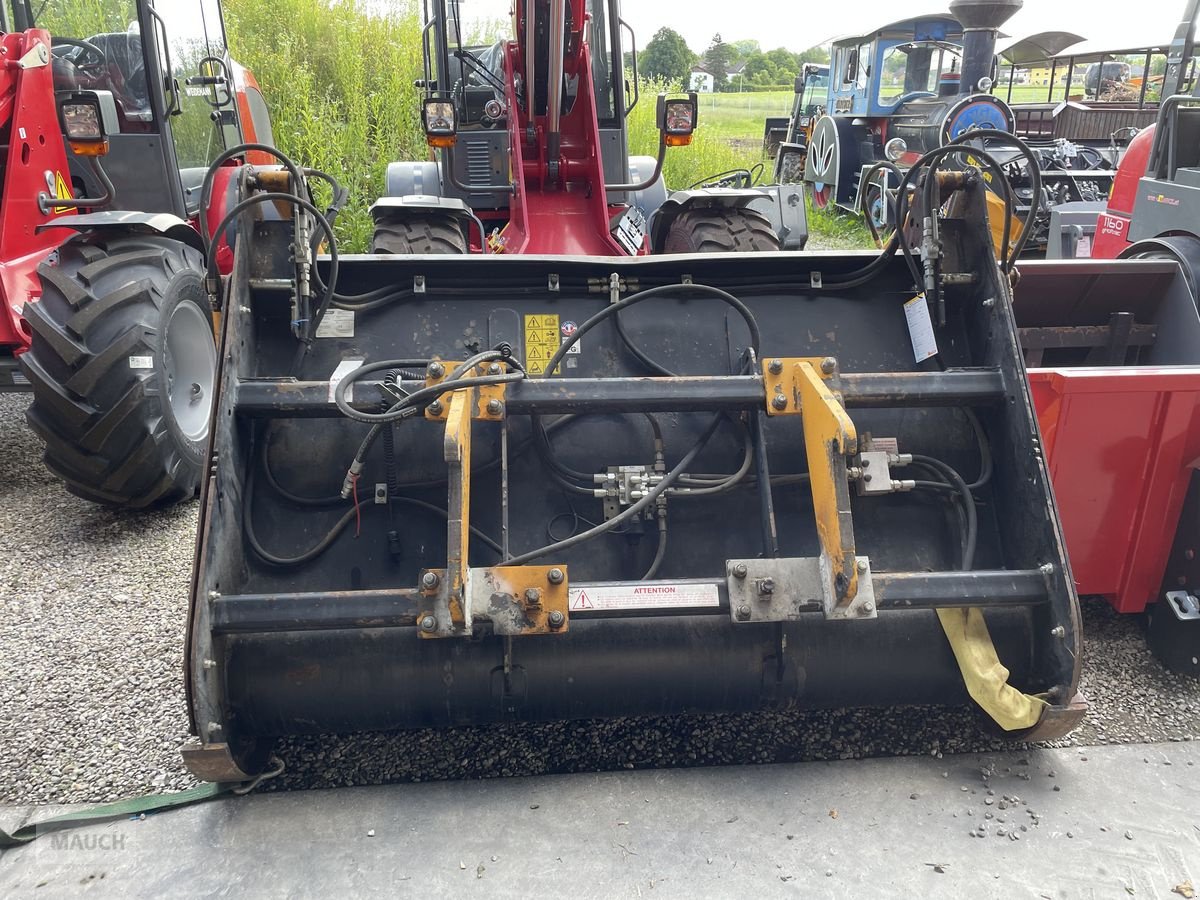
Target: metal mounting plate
[483,395]
[781,590]
[499,594]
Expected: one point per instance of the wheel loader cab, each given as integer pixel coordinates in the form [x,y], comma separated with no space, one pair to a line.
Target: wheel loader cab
[536,159]
[166,66]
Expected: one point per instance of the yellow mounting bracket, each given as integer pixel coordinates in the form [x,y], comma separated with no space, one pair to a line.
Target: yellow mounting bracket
[807,386]
[489,399]
[517,600]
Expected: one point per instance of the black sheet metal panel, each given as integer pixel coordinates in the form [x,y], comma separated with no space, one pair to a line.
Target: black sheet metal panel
[334,668]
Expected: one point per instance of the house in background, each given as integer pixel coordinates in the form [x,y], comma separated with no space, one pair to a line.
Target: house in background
[700,80]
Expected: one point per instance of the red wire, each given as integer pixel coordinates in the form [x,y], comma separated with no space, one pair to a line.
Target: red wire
[357,511]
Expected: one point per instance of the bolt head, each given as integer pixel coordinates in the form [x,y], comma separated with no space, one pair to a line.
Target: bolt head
[495,407]
[428,623]
[436,407]
[1058,631]
[861,565]
[556,619]
[829,365]
[740,570]
[779,401]
[555,576]
[436,370]
[214,595]
[533,595]
[494,369]
[743,613]
[775,366]
[766,586]
[429,580]
[868,607]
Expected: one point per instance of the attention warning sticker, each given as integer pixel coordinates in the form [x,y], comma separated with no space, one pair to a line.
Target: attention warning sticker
[644,596]
[541,340]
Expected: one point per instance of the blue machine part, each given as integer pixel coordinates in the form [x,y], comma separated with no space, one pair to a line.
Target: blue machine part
[978,114]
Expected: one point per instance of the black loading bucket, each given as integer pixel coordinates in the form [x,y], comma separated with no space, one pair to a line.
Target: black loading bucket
[761,595]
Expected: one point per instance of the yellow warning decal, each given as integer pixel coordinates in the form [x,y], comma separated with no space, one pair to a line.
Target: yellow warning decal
[62,191]
[541,341]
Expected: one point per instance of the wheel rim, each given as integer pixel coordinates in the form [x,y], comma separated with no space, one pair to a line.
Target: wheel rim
[190,363]
[875,208]
[822,194]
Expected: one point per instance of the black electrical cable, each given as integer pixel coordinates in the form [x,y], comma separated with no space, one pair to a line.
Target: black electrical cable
[1035,177]
[968,504]
[630,511]
[882,165]
[216,164]
[660,551]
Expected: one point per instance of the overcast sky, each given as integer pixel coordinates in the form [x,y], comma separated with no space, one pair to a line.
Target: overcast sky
[799,25]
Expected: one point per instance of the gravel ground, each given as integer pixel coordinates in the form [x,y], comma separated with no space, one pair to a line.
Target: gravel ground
[92,610]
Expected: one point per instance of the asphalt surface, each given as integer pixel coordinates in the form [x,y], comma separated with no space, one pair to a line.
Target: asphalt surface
[92,615]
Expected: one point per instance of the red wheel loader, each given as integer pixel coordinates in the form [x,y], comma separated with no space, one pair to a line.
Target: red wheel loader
[580,475]
[110,115]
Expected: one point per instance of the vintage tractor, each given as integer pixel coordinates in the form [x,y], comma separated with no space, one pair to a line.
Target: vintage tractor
[786,139]
[598,479]
[107,132]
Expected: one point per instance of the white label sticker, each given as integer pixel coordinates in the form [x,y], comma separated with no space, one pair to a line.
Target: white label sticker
[1083,248]
[141,362]
[574,348]
[920,328]
[344,368]
[643,596]
[21,132]
[336,323]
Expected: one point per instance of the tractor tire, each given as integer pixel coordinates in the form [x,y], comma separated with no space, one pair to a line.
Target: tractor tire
[123,367]
[716,230]
[1181,248]
[790,168]
[411,235]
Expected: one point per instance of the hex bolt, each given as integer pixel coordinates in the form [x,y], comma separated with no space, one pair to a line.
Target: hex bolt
[743,613]
[861,565]
[214,726]
[428,623]
[436,407]
[740,570]
[866,464]
[555,576]
[495,407]
[1058,631]
[829,365]
[775,366]
[868,607]
[214,595]
[766,586]
[1047,569]
[210,664]
[867,477]
[429,580]
[533,596]
[436,370]
[556,618]
[779,401]
[494,369]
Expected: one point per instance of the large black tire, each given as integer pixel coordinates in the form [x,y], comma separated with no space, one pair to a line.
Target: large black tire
[1182,248]
[418,235]
[123,366]
[717,230]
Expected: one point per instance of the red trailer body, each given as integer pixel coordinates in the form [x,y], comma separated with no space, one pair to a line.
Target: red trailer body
[1122,440]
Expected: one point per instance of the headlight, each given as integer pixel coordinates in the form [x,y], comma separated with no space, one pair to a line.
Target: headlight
[441,122]
[677,119]
[87,119]
[895,149]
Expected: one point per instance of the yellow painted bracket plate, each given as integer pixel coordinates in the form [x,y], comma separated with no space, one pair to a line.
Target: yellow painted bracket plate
[484,394]
[517,600]
[806,386]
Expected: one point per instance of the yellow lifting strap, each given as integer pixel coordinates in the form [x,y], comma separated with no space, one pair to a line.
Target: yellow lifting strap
[985,676]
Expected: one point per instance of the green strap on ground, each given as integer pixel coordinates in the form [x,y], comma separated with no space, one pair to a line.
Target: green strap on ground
[121,809]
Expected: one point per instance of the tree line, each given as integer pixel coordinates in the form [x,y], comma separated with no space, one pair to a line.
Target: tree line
[734,65]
